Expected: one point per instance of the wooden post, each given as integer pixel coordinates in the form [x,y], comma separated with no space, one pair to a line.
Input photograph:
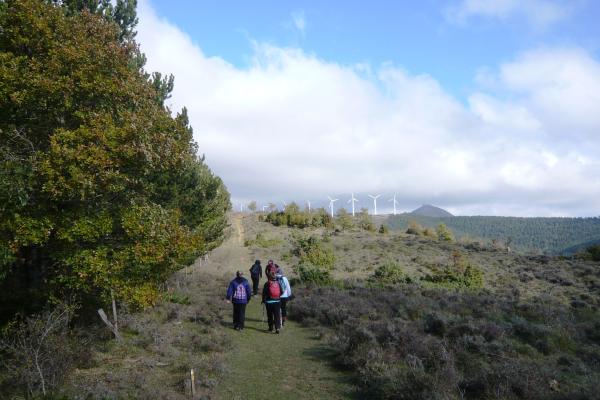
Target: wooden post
[193,383]
[114,309]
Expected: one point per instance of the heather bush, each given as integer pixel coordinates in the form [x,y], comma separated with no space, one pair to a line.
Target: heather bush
[420,342]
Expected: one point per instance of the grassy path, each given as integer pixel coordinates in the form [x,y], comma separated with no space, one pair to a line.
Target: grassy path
[291,365]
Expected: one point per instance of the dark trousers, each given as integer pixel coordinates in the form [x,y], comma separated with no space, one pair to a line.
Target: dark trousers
[239,315]
[255,280]
[284,307]
[274,315]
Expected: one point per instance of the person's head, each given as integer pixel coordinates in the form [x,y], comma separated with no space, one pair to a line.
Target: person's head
[272,275]
[278,276]
[270,262]
[257,262]
[239,274]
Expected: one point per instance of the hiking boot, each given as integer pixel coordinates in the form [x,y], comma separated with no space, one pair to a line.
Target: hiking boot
[277,331]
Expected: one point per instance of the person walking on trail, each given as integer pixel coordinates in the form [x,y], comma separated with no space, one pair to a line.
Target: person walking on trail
[272,267]
[239,294]
[271,297]
[286,296]
[255,274]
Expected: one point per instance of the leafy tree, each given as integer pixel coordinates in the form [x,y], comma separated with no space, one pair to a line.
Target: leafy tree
[252,206]
[344,219]
[365,222]
[100,187]
[444,234]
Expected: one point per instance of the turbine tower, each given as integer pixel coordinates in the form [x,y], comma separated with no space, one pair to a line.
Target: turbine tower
[353,200]
[374,202]
[264,208]
[393,199]
[331,201]
[308,202]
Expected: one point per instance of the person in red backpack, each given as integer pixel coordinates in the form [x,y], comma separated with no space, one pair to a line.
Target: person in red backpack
[239,293]
[272,267]
[271,297]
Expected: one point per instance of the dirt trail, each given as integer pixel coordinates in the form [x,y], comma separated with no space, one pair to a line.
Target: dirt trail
[291,365]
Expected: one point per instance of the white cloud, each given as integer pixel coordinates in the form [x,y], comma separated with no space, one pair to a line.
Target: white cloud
[293,126]
[538,13]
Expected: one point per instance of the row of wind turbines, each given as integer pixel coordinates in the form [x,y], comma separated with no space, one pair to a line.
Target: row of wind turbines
[353,200]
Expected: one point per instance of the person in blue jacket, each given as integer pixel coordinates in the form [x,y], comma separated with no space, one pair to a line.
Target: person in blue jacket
[239,293]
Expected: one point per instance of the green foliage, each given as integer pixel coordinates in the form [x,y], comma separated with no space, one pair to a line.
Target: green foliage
[100,187]
[365,222]
[252,206]
[344,219]
[459,274]
[292,216]
[594,252]
[315,252]
[444,234]
[383,229]
[390,273]
[312,274]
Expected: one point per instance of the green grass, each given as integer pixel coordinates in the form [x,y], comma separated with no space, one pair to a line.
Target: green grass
[292,365]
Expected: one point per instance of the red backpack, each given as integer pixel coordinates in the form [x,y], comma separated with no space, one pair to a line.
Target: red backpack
[274,290]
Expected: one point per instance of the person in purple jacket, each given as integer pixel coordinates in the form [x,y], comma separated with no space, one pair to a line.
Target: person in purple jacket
[239,293]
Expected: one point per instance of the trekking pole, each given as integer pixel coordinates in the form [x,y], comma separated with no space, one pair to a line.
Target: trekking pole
[263,313]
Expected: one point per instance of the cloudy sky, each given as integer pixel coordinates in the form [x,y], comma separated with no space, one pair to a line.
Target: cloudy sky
[487,107]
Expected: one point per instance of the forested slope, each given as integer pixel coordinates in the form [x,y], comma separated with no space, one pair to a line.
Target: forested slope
[547,235]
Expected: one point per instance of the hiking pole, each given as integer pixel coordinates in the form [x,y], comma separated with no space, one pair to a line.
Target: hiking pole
[263,314]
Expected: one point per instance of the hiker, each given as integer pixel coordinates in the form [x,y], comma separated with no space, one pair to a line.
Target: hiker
[255,274]
[271,296]
[286,296]
[238,293]
[272,267]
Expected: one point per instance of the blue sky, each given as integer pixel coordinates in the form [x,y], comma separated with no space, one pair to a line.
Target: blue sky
[485,107]
[420,36]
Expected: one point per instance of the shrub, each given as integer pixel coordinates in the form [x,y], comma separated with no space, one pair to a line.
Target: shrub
[39,351]
[384,229]
[315,252]
[314,275]
[389,273]
[594,252]
[414,228]
[471,277]
[444,234]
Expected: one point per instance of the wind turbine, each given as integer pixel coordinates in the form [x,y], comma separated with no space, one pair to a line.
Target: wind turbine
[284,205]
[264,208]
[331,201]
[308,202]
[394,202]
[353,200]
[375,203]
[242,207]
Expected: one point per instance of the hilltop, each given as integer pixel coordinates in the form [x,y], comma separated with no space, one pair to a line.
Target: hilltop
[428,210]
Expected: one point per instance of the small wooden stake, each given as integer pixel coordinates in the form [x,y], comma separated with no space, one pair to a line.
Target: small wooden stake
[114,309]
[193,383]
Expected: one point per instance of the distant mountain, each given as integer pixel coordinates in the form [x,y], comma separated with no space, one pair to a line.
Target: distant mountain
[427,210]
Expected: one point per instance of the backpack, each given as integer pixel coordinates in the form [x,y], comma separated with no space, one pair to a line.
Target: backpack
[240,292]
[283,285]
[274,290]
